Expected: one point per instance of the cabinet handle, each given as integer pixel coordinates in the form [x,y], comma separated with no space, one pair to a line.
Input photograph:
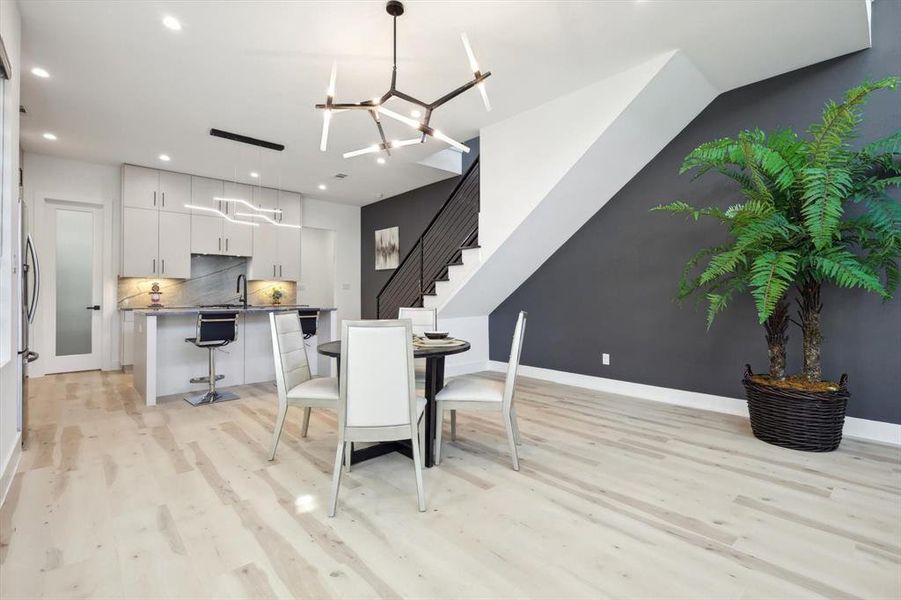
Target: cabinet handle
[154,198]
[163,194]
[226,244]
[163,261]
[280,271]
[154,265]
[273,271]
[220,244]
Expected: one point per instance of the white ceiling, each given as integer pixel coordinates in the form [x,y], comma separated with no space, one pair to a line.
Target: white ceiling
[123,88]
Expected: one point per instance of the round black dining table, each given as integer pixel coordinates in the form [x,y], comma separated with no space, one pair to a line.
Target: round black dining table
[434,381]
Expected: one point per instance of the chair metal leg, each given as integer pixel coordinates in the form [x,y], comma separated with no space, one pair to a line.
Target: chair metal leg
[516,436]
[453,425]
[306,422]
[508,424]
[336,480]
[277,432]
[417,466]
[348,452]
[438,432]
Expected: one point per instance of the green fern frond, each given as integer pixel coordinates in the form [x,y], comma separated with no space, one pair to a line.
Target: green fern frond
[824,191]
[771,275]
[846,270]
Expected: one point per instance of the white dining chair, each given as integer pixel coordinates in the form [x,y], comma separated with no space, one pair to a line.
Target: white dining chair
[294,383]
[478,393]
[377,401]
[423,319]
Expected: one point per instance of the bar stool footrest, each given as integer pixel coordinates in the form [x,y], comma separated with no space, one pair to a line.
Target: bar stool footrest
[206,379]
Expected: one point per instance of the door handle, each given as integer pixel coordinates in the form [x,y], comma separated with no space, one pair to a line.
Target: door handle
[95,307]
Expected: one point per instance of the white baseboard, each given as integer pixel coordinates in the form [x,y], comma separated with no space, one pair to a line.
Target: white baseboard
[876,431]
[10,468]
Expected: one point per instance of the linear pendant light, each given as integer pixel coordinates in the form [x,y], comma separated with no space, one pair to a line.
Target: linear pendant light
[376,107]
[221,214]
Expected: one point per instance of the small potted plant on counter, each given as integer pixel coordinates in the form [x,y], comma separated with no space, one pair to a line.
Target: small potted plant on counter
[276,294]
[791,230]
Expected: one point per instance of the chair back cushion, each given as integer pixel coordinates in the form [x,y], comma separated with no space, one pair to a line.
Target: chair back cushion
[515,350]
[213,327]
[291,366]
[377,388]
[423,319]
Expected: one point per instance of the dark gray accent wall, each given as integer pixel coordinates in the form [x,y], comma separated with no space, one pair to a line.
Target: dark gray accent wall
[609,288]
[411,212]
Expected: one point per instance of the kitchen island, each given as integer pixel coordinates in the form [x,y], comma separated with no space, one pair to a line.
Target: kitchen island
[164,362]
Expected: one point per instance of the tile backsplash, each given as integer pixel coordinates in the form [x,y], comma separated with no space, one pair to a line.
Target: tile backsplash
[213,280]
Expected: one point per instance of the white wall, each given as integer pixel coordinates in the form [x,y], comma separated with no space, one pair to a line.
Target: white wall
[10,301]
[344,220]
[533,204]
[53,178]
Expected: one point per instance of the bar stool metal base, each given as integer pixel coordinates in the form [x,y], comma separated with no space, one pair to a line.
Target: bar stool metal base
[210,397]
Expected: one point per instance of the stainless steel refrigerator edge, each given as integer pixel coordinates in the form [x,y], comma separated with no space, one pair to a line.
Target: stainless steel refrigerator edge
[30,286]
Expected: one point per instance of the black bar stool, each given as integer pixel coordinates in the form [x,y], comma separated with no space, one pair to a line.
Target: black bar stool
[309,321]
[214,330]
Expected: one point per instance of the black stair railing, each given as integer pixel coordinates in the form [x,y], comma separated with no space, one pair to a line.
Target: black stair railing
[454,227]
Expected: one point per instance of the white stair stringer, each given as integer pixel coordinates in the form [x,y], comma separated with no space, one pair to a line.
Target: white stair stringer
[546,171]
[456,275]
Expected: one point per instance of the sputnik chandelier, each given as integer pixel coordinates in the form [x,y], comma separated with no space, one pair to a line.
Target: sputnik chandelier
[376,107]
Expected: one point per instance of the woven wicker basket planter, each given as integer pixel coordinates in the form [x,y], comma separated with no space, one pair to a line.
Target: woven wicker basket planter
[800,420]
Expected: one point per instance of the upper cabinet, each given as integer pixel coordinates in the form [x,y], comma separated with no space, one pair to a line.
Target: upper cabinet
[152,189]
[206,194]
[167,217]
[289,205]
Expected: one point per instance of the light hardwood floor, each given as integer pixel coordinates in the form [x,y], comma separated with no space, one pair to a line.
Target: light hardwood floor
[617,498]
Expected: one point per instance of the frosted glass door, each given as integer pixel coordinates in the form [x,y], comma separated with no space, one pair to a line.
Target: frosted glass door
[76,288]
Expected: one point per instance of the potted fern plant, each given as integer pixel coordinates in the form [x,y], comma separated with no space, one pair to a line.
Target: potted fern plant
[814,212]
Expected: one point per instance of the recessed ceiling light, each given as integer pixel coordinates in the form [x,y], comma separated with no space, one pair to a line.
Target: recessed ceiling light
[165,157]
[172,23]
[321,186]
[380,160]
[39,72]
[415,114]
[49,136]
[254,174]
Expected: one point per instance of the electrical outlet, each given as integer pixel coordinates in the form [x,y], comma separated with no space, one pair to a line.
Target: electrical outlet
[605,359]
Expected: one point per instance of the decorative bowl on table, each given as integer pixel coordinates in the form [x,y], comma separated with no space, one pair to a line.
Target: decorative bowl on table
[436,335]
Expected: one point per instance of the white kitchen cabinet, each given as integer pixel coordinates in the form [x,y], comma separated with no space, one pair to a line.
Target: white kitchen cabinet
[203,190]
[289,253]
[140,242]
[174,245]
[153,189]
[237,191]
[265,198]
[155,243]
[175,192]
[237,238]
[140,187]
[264,261]
[206,234]
[289,205]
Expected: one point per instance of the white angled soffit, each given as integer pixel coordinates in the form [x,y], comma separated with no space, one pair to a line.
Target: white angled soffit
[546,171]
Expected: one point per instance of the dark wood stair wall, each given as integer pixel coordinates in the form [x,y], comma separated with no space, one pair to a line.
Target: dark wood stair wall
[454,228]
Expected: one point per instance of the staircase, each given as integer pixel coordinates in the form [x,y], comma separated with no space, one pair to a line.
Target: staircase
[444,254]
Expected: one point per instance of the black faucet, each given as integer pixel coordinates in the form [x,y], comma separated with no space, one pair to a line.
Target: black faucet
[242,289]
